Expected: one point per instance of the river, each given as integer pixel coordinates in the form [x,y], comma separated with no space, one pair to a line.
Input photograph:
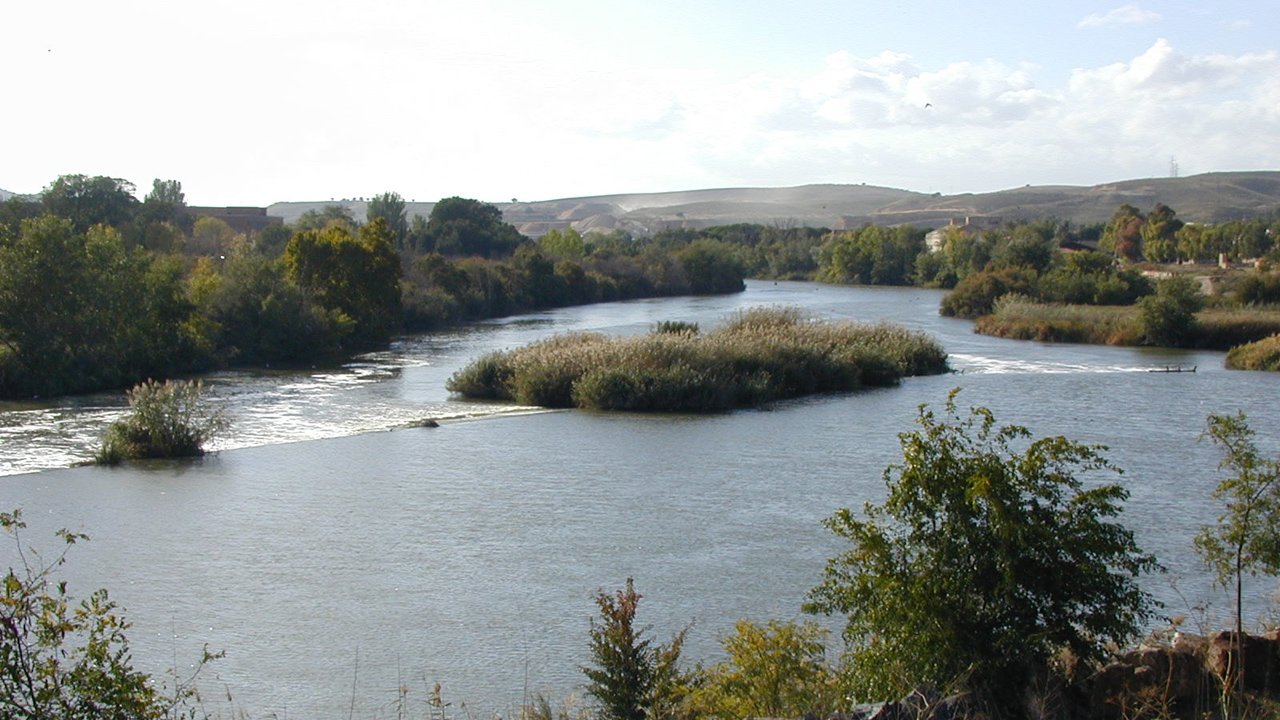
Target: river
[335,558]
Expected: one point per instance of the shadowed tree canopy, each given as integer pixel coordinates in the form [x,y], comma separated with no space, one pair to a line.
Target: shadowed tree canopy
[88,201]
[460,226]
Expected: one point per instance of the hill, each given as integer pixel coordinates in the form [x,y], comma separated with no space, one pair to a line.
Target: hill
[1207,198]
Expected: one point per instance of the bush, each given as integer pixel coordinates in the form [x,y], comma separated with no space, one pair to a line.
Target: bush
[67,660]
[1261,355]
[169,420]
[975,295]
[775,670]
[988,560]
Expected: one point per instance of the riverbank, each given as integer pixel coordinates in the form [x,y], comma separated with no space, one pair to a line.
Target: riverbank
[1213,329]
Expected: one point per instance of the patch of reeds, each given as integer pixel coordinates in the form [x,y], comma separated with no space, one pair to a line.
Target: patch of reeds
[1021,318]
[1225,328]
[758,356]
[1261,355]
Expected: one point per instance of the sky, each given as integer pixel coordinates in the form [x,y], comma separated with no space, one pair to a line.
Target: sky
[250,102]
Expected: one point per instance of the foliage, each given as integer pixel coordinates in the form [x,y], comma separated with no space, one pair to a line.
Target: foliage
[631,679]
[976,295]
[390,208]
[250,312]
[710,267]
[759,356]
[988,559]
[356,275]
[1262,354]
[88,201]
[333,215]
[1247,535]
[676,327]
[461,226]
[166,420]
[1259,288]
[871,255]
[1168,318]
[67,660]
[774,670]
[79,311]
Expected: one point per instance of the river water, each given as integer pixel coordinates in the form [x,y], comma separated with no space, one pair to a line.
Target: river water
[336,558]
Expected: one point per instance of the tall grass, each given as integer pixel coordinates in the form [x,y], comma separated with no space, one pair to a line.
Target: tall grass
[758,356]
[1021,318]
[167,420]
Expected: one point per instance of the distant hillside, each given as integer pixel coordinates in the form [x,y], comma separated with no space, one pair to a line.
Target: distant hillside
[5,194]
[1208,198]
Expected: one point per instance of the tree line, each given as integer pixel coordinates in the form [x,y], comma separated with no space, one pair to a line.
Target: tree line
[100,290]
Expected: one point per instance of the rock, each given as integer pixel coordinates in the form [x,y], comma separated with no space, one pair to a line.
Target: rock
[1246,662]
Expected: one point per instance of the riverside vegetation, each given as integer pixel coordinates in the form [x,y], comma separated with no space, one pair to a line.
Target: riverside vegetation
[101,291]
[993,571]
[758,356]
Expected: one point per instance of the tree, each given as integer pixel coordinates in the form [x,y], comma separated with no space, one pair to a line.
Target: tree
[390,208]
[358,275]
[1168,318]
[89,201]
[1123,234]
[164,203]
[461,226]
[79,311]
[1247,535]
[988,558]
[327,216]
[630,679]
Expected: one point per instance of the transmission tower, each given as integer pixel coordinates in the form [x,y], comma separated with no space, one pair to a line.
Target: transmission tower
[1173,167]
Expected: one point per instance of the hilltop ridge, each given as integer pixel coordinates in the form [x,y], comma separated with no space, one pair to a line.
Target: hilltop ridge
[1206,198]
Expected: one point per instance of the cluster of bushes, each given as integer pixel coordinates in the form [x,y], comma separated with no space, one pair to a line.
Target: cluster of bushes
[760,355]
[1263,354]
[1083,278]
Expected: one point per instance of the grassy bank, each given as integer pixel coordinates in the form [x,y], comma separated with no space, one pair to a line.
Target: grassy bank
[1213,329]
[758,356]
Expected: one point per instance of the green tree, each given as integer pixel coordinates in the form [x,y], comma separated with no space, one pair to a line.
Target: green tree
[358,275]
[79,311]
[1168,318]
[1159,234]
[461,226]
[390,208]
[329,215]
[989,557]
[88,201]
[1246,538]
[629,678]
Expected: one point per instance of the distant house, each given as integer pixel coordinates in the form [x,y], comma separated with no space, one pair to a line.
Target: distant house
[241,219]
[970,224]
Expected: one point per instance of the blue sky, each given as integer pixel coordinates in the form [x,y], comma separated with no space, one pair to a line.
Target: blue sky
[256,101]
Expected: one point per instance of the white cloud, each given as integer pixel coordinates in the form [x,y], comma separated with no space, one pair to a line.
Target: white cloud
[973,125]
[1124,15]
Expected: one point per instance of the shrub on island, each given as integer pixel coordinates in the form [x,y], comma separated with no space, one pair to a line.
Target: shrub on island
[168,420]
[758,356]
